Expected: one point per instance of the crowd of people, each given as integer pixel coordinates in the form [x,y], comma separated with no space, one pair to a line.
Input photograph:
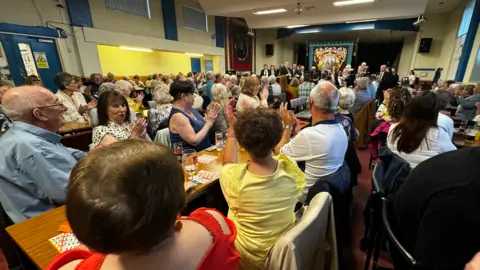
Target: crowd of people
[124,197]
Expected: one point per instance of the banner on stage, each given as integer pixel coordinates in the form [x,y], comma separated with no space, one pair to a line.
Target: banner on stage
[330,54]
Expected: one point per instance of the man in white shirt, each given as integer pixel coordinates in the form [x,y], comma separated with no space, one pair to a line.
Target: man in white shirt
[444,122]
[322,147]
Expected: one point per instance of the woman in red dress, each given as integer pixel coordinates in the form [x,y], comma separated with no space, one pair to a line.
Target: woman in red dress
[123,203]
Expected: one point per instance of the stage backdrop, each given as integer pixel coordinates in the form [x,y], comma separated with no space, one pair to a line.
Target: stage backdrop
[240,47]
[330,53]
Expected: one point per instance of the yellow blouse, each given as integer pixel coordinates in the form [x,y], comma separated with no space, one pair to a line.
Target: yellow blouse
[294,90]
[262,207]
[137,107]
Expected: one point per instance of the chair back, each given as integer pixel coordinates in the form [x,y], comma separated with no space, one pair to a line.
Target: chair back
[163,137]
[363,123]
[401,258]
[311,243]
[297,104]
[80,140]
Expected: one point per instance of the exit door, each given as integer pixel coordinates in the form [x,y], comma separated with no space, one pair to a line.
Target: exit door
[23,56]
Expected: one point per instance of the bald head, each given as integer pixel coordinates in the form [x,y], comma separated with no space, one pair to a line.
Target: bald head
[19,102]
[324,96]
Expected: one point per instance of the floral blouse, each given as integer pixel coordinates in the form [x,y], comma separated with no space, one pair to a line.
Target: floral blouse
[157,117]
[119,132]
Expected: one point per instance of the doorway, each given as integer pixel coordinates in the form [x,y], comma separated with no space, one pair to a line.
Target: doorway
[195,63]
[24,56]
[208,65]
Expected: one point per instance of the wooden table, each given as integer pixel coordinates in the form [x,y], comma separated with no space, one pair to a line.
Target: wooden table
[459,141]
[32,235]
[74,127]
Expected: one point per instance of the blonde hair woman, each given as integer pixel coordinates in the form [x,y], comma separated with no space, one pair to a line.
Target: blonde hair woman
[220,97]
[294,84]
[158,117]
[249,95]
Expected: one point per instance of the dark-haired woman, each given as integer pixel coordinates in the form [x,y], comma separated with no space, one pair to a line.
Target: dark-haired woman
[113,123]
[261,193]
[130,219]
[417,137]
[69,95]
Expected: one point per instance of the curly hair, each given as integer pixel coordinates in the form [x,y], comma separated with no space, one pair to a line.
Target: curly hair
[258,131]
[295,82]
[400,97]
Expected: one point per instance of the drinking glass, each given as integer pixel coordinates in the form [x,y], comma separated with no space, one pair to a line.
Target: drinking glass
[190,162]
[219,140]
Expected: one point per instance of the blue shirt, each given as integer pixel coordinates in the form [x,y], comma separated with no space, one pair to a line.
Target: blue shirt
[34,170]
[362,97]
[197,124]
[372,90]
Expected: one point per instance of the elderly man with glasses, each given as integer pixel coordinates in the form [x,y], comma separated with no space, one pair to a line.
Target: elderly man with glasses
[34,166]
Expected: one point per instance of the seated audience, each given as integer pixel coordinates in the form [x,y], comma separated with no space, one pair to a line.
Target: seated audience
[405,82]
[5,121]
[126,88]
[286,88]
[444,122]
[68,94]
[110,78]
[322,147]
[276,89]
[467,109]
[94,113]
[293,87]
[382,111]
[262,193]
[344,116]
[265,83]
[198,100]
[226,79]
[186,124]
[35,165]
[249,95]
[33,80]
[362,97]
[234,89]
[372,86]
[417,136]
[158,117]
[149,81]
[220,98]
[436,210]
[131,220]
[398,100]
[306,87]
[113,123]
[137,82]
[95,81]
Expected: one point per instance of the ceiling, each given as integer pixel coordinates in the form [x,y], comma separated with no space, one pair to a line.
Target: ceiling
[321,11]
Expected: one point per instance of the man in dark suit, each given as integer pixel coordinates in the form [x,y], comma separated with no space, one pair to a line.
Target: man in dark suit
[300,72]
[387,81]
[287,71]
[315,75]
[380,74]
[265,71]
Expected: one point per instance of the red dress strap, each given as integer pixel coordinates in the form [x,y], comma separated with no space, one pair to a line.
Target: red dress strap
[222,253]
[90,260]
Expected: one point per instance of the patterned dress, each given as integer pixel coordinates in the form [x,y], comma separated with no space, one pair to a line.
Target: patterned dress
[119,132]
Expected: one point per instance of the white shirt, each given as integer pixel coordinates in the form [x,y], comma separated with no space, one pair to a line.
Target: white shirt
[411,78]
[323,149]
[251,102]
[446,123]
[71,114]
[436,142]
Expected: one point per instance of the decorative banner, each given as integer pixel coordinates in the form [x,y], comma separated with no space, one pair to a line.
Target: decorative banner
[330,54]
[41,59]
[240,47]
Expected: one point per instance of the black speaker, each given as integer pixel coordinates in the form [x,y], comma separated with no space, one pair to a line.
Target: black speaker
[269,49]
[425,45]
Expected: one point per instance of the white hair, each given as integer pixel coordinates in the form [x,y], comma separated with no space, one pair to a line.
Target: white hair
[254,75]
[346,98]
[161,94]
[22,100]
[226,77]
[264,80]
[106,86]
[272,79]
[209,76]
[325,96]
[233,79]
[362,83]
[121,85]
[220,94]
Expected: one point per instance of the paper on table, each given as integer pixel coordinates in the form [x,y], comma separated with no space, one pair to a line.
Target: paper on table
[206,159]
[64,242]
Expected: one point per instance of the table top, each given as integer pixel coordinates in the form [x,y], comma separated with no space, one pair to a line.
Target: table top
[32,235]
[459,141]
[74,127]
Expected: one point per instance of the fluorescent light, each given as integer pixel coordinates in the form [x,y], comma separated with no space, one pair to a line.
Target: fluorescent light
[194,54]
[272,11]
[352,2]
[362,21]
[309,31]
[295,26]
[135,49]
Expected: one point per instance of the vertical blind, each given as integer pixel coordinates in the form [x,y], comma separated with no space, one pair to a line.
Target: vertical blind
[466,19]
[194,18]
[136,7]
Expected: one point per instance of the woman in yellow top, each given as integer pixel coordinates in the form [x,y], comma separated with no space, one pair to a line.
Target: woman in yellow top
[263,192]
[294,84]
[126,88]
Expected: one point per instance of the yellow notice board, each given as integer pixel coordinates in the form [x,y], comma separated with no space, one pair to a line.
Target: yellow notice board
[41,59]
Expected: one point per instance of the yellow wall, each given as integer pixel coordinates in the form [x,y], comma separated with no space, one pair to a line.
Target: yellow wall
[121,62]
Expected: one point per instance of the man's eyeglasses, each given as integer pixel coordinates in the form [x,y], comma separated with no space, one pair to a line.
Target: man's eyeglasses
[53,105]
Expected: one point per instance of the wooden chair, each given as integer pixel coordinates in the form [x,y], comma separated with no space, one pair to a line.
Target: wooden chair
[363,123]
[80,141]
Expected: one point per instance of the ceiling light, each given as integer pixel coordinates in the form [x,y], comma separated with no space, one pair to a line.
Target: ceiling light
[295,26]
[362,21]
[194,54]
[352,2]
[272,11]
[135,49]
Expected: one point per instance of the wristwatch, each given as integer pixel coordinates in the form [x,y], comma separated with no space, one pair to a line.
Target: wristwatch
[287,126]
